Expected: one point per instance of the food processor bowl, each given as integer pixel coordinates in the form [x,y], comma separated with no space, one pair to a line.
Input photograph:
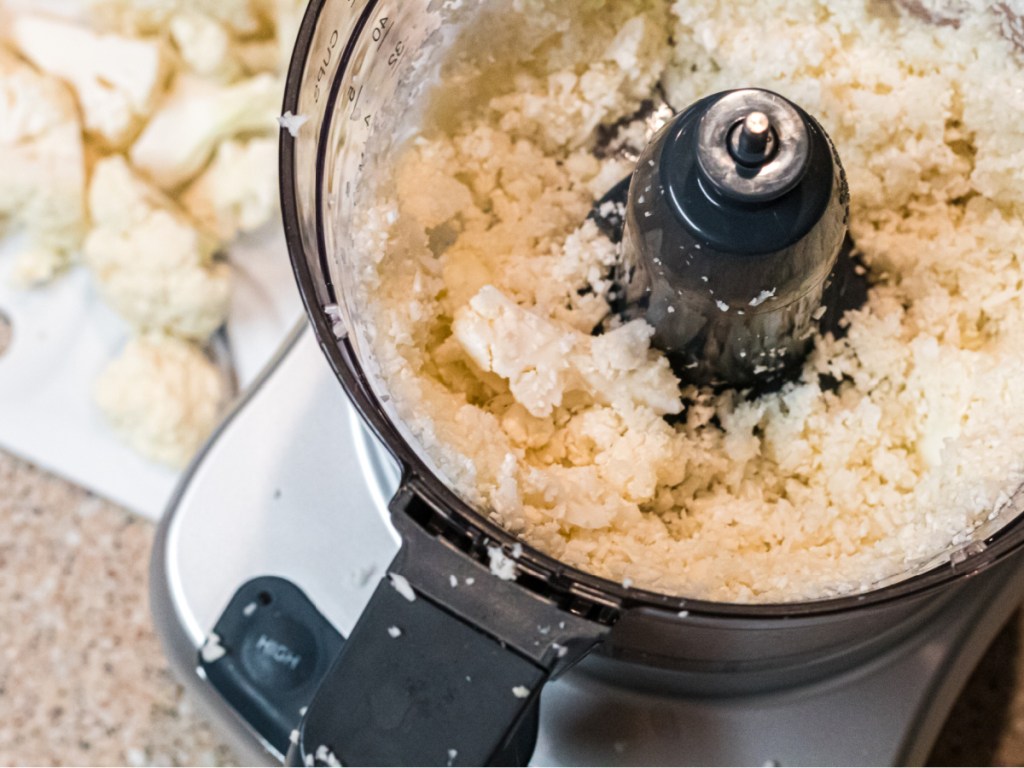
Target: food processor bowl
[476,659]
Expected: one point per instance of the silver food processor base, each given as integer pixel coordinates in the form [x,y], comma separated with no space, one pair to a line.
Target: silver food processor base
[294,486]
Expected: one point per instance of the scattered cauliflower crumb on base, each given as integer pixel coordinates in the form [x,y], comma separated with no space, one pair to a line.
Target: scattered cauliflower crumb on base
[482,282]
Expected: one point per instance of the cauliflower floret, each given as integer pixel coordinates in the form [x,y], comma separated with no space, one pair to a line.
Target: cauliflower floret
[150,262]
[205,45]
[116,79]
[197,116]
[162,396]
[43,167]
[238,192]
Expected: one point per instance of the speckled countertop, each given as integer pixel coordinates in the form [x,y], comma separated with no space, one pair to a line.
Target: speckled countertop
[83,680]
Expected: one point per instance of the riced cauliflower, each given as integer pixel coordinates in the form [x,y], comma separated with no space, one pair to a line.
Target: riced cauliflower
[151,263]
[42,169]
[480,283]
[116,79]
[163,396]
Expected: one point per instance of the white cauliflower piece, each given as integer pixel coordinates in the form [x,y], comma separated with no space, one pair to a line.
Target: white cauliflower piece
[543,360]
[527,350]
[151,264]
[246,18]
[162,396]
[117,79]
[238,192]
[620,369]
[43,168]
[196,117]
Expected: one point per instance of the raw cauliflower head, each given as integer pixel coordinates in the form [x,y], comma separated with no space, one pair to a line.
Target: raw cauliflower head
[42,168]
[162,396]
[152,265]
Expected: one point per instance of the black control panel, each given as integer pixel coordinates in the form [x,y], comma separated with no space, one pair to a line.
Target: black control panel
[267,655]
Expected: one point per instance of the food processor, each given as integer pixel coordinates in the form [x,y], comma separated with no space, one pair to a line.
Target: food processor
[333,600]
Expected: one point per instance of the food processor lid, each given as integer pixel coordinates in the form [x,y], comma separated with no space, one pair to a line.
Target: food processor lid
[317,87]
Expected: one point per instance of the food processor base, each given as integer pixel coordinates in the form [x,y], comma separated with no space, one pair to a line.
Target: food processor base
[293,486]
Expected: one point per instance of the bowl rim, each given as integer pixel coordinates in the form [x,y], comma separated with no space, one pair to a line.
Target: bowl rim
[457,521]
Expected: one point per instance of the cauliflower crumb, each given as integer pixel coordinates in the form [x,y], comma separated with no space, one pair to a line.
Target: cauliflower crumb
[292,123]
[402,586]
[212,650]
[163,396]
[502,566]
[325,755]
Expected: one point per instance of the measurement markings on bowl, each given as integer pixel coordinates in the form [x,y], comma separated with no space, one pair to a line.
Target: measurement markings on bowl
[328,57]
[381,30]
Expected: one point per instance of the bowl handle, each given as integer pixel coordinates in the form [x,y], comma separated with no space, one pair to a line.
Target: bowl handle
[445,665]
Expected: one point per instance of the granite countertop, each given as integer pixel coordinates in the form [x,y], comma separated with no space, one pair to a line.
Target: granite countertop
[83,680]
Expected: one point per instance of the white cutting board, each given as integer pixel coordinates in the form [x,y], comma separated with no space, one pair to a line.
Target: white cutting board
[63,335]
